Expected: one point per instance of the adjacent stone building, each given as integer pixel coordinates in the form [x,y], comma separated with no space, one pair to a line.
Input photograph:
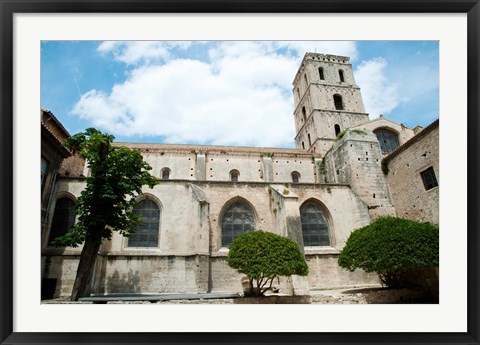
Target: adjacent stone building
[413,176]
[316,194]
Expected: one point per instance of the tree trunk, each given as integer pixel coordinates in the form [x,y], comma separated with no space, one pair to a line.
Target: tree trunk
[81,287]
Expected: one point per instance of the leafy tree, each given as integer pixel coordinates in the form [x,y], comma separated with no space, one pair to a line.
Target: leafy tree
[106,204]
[390,247]
[264,256]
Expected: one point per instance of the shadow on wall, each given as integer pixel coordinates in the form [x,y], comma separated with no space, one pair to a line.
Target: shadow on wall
[55,282]
[124,283]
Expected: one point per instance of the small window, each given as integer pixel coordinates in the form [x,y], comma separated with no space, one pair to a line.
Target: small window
[295,177]
[303,145]
[342,78]
[309,140]
[304,114]
[320,72]
[146,235]
[337,130]
[234,175]
[63,218]
[337,100]
[429,179]
[165,174]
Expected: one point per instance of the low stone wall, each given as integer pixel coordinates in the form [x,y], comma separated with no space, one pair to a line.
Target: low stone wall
[186,274]
[325,273]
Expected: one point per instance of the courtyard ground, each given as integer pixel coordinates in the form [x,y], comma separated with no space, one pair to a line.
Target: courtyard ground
[363,295]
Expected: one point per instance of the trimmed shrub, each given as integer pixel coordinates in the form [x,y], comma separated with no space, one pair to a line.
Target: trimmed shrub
[264,256]
[391,247]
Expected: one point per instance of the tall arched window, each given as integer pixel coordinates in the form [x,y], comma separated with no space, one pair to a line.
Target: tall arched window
[314,225]
[337,100]
[63,218]
[237,219]
[309,140]
[146,235]
[304,114]
[388,139]
[234,175]
[165,173]
[303,145]
[320,73]
[337,130]
[342,78]
[295,177]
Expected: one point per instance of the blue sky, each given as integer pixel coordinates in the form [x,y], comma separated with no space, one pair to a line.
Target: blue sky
[223,92]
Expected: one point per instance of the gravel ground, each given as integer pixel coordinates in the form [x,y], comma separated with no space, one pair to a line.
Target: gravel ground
[364,295]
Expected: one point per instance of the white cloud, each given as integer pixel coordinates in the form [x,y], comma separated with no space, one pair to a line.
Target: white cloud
[241,96]
[134,52]
[380,95]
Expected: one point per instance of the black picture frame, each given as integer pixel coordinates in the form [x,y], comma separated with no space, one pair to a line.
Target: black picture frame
[10,7]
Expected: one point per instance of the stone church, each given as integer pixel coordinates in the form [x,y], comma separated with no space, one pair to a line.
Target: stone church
[345,171]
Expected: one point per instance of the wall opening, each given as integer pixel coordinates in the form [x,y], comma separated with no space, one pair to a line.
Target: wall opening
[320,73]
[337,100]
[337,130]
[295,177]
[234,175]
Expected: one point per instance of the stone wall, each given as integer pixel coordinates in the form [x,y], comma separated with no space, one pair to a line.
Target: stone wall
[214,163]
[405,165]
[190,256]
[355,159]
[324,273]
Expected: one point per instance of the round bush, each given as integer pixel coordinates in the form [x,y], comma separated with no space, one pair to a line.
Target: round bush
[263,256]
[390,245]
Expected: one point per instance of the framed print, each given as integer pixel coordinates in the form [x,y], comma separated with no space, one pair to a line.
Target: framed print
[203,91]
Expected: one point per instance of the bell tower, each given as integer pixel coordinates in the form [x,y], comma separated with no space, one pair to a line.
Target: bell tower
[327,101]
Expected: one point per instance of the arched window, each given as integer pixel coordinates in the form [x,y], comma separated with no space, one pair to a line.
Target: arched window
[295,177]
[314,225]
[342,78]
[165,173]
[304,114]
[234,175]
[337,130]
[320,73]
[388,139]
[63,218]
[337,100]
[237,219]
[309,140]
[146,235]
[303,145]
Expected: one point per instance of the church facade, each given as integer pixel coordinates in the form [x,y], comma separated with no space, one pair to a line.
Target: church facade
[332,183]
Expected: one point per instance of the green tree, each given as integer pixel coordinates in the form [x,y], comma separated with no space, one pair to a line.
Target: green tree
[390,247]
[264,256]
[117,175]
